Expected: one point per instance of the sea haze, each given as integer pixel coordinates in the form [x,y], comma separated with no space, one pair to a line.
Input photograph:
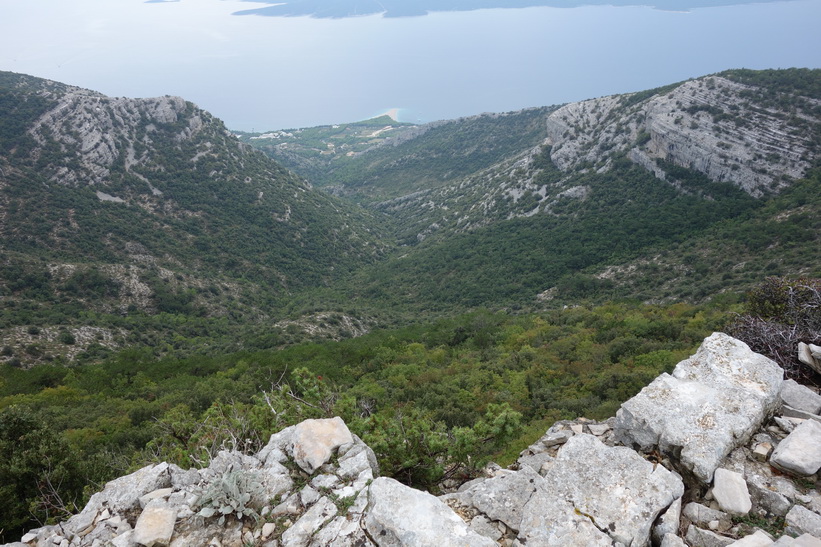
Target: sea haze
[311,63]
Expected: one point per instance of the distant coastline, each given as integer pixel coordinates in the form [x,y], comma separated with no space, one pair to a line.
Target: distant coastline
[339,9]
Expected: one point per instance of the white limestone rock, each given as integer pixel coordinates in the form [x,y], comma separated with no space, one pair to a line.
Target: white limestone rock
[790,412]
[314,441]
[290,506]
[267,529]
[758,539]
[800,397]
[668,522]
[801,520]
[765,497]
[485,527]
[398,515]
[598,429]
[534,461]
[309,495]
[352,466]
[552,438]
[207,533]
[155,525]
[762,451]
[161,493]
[810,355]
[503,497]
[300,533]
[701,515]
[800,452]
[713,402]
[275,480]
[549,521]
[354,451]
[706,538]
[731,493]
[621,492]
[123,540]
[277,446]
[120,495]
[672,540]
[806,540]
[345,530]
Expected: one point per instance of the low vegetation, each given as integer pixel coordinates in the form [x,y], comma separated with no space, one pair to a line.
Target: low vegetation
[434,401]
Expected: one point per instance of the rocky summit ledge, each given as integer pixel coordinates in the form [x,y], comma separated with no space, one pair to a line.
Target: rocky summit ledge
[710,455]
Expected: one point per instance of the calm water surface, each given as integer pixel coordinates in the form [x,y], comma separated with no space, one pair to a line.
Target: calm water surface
[263,72]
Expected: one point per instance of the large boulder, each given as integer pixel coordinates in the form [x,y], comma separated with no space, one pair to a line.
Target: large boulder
[713,402]
[398,515]
[617,489]
[314,441]
[550,521]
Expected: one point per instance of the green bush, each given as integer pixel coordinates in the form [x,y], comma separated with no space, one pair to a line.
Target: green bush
[40,477]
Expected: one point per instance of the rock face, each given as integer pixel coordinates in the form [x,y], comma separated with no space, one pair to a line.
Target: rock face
[698,414]
[315,484]
[621,492]
[399,515]
[708,124]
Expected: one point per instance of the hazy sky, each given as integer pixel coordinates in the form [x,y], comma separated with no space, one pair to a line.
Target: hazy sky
[266,73]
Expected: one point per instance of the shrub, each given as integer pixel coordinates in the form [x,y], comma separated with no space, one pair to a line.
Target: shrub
[780,313]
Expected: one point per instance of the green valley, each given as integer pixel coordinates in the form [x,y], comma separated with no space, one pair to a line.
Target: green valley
[170,288]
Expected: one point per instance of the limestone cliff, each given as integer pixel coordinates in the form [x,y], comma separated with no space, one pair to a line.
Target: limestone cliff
[755,138]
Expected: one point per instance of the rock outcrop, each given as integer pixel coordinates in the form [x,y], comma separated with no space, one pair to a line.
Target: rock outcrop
[317,484]
[714,125]
[711,403]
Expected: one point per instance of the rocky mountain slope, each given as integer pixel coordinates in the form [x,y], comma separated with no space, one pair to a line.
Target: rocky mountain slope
[755,130]
[123,206]
[139,208]
[694,459]
[614,191]
[756,138]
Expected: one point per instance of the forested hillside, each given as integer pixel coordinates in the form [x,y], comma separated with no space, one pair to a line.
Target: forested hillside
[152,221]
[169,291]
[680,192]
[145,222]
[434,401]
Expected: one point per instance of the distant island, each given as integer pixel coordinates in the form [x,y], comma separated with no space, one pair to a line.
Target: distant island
[330,9]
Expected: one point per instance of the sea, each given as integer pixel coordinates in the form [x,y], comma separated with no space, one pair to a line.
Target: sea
[264,65]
